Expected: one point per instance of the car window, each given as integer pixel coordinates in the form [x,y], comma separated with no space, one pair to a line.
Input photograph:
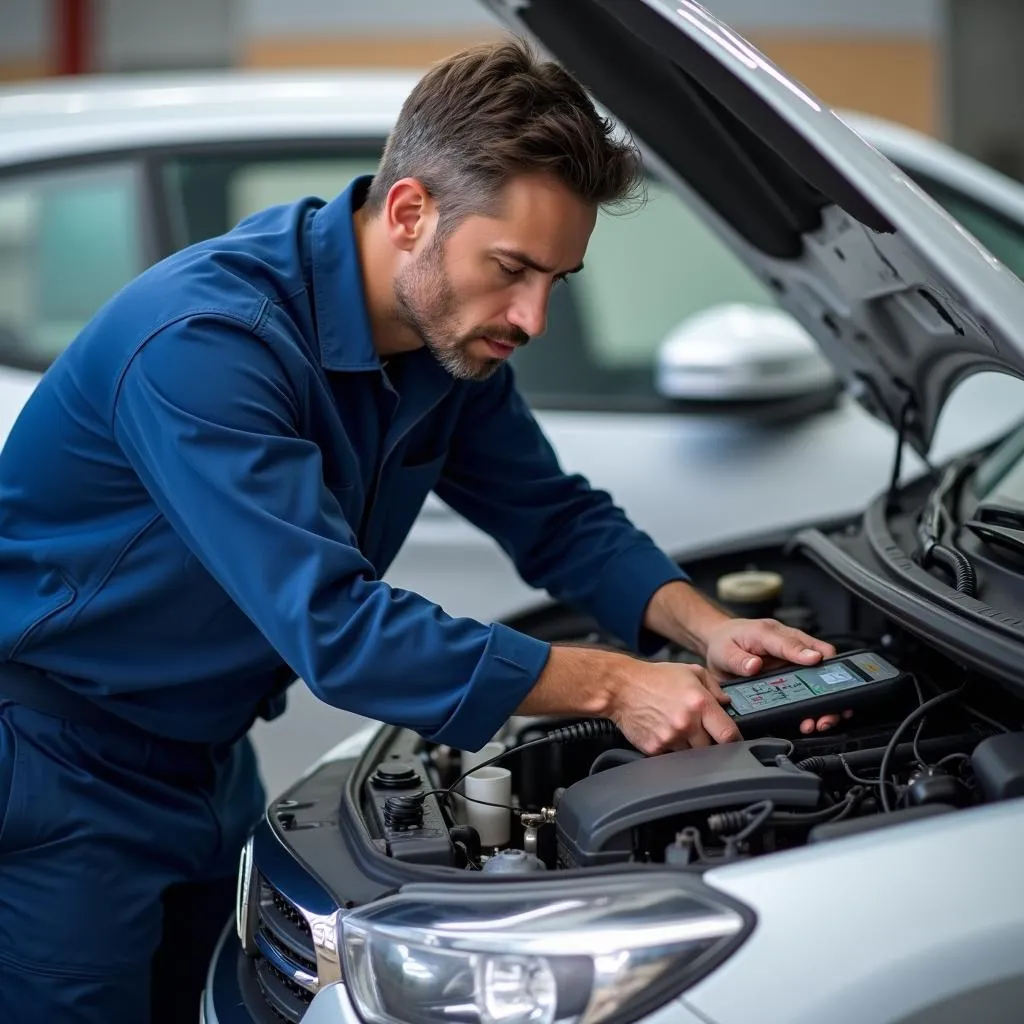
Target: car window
[1003,237]
[209,194]
[645,272]
[69,240]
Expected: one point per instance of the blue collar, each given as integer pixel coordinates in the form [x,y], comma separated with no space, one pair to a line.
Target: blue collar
[342,320]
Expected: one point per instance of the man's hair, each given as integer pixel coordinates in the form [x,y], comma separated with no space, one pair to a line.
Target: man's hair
[496,111]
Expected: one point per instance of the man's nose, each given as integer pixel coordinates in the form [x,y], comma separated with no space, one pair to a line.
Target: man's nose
[530,312]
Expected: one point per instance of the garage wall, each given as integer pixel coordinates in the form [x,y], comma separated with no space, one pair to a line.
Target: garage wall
[828,45]
[133,35]
[881,56]
[985,81]
[24,39]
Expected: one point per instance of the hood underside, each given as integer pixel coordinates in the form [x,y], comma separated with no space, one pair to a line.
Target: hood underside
[902,300]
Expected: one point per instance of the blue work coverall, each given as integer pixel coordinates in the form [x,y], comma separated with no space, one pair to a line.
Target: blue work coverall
[197,505]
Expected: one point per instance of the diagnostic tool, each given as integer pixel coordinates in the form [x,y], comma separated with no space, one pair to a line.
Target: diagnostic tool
[784,698]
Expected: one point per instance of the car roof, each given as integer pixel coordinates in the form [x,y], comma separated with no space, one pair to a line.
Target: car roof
[59,118]
[73,117]
[927,156]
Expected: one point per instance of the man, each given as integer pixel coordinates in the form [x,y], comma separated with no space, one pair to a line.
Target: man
[199,501]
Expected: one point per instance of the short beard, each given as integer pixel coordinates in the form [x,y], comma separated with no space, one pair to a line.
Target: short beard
[425,302]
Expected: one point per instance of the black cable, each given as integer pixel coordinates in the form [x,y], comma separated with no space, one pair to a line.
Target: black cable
[834,813]
[764,811]
[917,739]
[897,464]
[591,728]
[856,778]
[957,564]
[949,758]
[921,709]
[934,526]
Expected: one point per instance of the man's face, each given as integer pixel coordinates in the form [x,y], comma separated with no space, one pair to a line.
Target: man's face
[483,291]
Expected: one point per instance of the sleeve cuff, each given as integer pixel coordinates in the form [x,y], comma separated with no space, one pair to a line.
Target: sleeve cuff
[625,588]
[508,670]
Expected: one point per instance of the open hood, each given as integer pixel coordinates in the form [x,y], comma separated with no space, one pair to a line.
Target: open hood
[901,298]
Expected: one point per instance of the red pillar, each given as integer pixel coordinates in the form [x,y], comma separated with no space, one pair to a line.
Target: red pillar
[72,36]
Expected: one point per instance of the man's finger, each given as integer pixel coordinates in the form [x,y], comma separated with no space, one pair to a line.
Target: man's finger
[793,645]
[715,689]
[738,661]
[718,725]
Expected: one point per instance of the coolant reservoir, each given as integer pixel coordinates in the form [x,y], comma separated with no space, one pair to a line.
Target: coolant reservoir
[751,593]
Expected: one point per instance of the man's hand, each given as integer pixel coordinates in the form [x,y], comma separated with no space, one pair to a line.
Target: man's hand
[747,647]
[733,647]
[666,706]
[658,706]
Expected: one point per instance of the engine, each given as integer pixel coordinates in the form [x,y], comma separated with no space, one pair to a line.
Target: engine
[563,795]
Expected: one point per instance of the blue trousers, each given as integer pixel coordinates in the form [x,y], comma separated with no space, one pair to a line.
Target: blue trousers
[117,869]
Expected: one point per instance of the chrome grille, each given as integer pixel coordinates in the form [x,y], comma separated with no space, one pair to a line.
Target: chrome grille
[286,969]
[287,1000]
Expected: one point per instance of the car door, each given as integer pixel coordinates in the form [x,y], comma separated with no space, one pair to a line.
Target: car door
[70,237]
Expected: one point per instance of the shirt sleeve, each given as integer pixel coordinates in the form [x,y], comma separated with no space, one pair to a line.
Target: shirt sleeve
[209,419]
[565,536]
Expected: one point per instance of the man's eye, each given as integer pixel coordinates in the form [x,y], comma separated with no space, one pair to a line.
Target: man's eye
[509,271]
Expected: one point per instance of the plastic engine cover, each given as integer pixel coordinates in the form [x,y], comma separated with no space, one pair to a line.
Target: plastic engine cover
[596,815]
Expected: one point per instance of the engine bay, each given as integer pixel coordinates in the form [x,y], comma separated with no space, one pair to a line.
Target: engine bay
[557,794]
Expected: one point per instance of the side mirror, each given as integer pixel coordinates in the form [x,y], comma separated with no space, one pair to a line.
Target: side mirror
[742,353]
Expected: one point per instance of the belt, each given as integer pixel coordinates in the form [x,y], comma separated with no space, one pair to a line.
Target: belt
[35,690]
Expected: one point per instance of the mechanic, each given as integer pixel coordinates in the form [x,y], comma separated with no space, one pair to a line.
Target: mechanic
[200,499]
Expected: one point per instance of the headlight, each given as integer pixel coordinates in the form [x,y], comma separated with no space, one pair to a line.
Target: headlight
[528,953]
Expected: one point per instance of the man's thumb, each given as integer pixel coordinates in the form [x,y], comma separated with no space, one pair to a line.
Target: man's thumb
[739,662]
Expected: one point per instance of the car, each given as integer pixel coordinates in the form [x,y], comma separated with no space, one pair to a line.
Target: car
[670,375]
[868,873]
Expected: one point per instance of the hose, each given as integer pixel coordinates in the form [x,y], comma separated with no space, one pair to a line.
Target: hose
[957,565]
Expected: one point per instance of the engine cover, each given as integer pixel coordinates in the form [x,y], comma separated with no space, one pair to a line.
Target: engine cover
[596,815]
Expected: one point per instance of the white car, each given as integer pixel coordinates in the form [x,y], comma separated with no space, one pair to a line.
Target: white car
[868,874]
[669,375]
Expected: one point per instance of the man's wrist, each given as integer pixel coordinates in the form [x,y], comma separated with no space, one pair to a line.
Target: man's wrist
[681,613]
[578,680]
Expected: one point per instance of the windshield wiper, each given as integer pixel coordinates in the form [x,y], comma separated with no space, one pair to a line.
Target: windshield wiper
[1000,526]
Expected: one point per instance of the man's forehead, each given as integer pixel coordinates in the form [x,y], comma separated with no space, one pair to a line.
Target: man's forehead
[541,225]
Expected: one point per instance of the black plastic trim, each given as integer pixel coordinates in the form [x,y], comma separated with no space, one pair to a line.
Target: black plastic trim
[901,565]
[952,633]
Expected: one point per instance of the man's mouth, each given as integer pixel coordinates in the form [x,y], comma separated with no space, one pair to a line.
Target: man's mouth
[500,349]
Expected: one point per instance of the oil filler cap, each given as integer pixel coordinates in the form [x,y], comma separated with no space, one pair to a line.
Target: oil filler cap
[396,775]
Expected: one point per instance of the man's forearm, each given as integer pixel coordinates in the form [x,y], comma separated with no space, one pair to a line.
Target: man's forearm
[680,612]
[577,680]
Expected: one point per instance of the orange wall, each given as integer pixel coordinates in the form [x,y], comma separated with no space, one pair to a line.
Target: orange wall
[890,77]
[15,70]
[895,78]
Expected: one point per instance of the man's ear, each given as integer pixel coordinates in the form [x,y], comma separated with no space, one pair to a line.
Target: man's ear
[409,213]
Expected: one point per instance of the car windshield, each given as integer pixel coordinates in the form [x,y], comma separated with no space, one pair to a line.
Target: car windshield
[999,477]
